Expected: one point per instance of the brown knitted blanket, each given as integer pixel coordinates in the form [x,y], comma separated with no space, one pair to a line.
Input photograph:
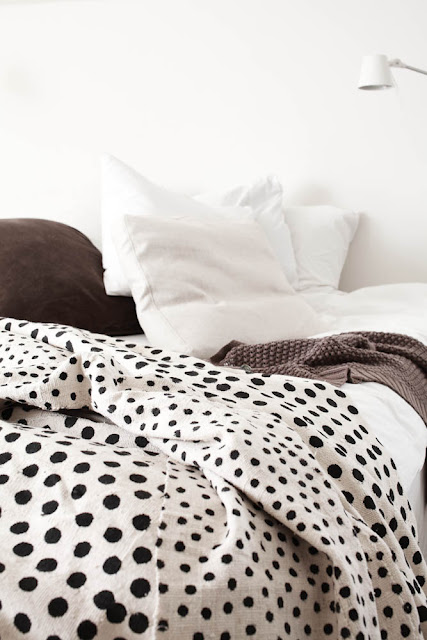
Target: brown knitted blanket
[395,360]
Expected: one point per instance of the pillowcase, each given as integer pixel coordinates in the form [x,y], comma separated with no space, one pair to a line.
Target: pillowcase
[50,272]
[321,236]
[124,191]
[265,197]
[199,284]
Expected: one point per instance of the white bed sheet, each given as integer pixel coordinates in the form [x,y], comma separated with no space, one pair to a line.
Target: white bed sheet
[400,308]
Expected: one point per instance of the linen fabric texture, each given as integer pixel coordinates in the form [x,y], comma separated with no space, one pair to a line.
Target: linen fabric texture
[265,197]
[321,237]
[191,498]
[198,284]
[126,192]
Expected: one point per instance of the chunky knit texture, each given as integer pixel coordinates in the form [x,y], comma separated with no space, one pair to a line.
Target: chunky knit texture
[392,359]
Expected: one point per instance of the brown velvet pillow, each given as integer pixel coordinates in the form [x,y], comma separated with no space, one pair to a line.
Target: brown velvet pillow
[50,272]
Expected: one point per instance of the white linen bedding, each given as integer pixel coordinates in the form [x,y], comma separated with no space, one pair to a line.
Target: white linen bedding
[402,431]
[198,283]
[399,308]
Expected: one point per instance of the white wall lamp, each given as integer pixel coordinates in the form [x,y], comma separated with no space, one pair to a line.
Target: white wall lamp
[375,72]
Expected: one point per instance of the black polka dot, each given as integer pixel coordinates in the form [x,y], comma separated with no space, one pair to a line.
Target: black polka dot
[111,502]
[22,622]
[335,471]
[140,588]
[113,534]
[84,519]
[76,580]
[52,536]
[141,555]
[141,522]
[103,599]
[57,607]
[116,612]
[112,565]
[28,584]
[138,622]
[87,630]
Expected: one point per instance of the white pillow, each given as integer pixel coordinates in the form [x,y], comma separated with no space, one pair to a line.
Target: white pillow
[197,285]
[265,197]
[321,236]
[124,191]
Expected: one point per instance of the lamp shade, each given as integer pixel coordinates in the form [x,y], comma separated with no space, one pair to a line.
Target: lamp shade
[375,73]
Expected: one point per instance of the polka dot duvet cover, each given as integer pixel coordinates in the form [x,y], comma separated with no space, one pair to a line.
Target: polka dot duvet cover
[145,494]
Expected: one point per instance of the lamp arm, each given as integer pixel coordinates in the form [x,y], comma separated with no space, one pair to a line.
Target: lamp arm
[401,65]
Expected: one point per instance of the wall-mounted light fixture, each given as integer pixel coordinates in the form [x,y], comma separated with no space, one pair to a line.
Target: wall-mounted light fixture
[375,72]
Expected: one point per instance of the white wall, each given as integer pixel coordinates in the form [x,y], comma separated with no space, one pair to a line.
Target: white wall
[203,93]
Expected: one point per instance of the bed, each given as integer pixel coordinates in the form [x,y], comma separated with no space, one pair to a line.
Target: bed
[401,308]
[147,492]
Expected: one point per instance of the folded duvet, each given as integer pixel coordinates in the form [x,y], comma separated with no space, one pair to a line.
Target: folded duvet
[147,494]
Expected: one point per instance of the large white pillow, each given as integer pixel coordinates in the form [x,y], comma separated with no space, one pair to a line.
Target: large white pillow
[124,191]
[321,237]
[199,284]
[265,197]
